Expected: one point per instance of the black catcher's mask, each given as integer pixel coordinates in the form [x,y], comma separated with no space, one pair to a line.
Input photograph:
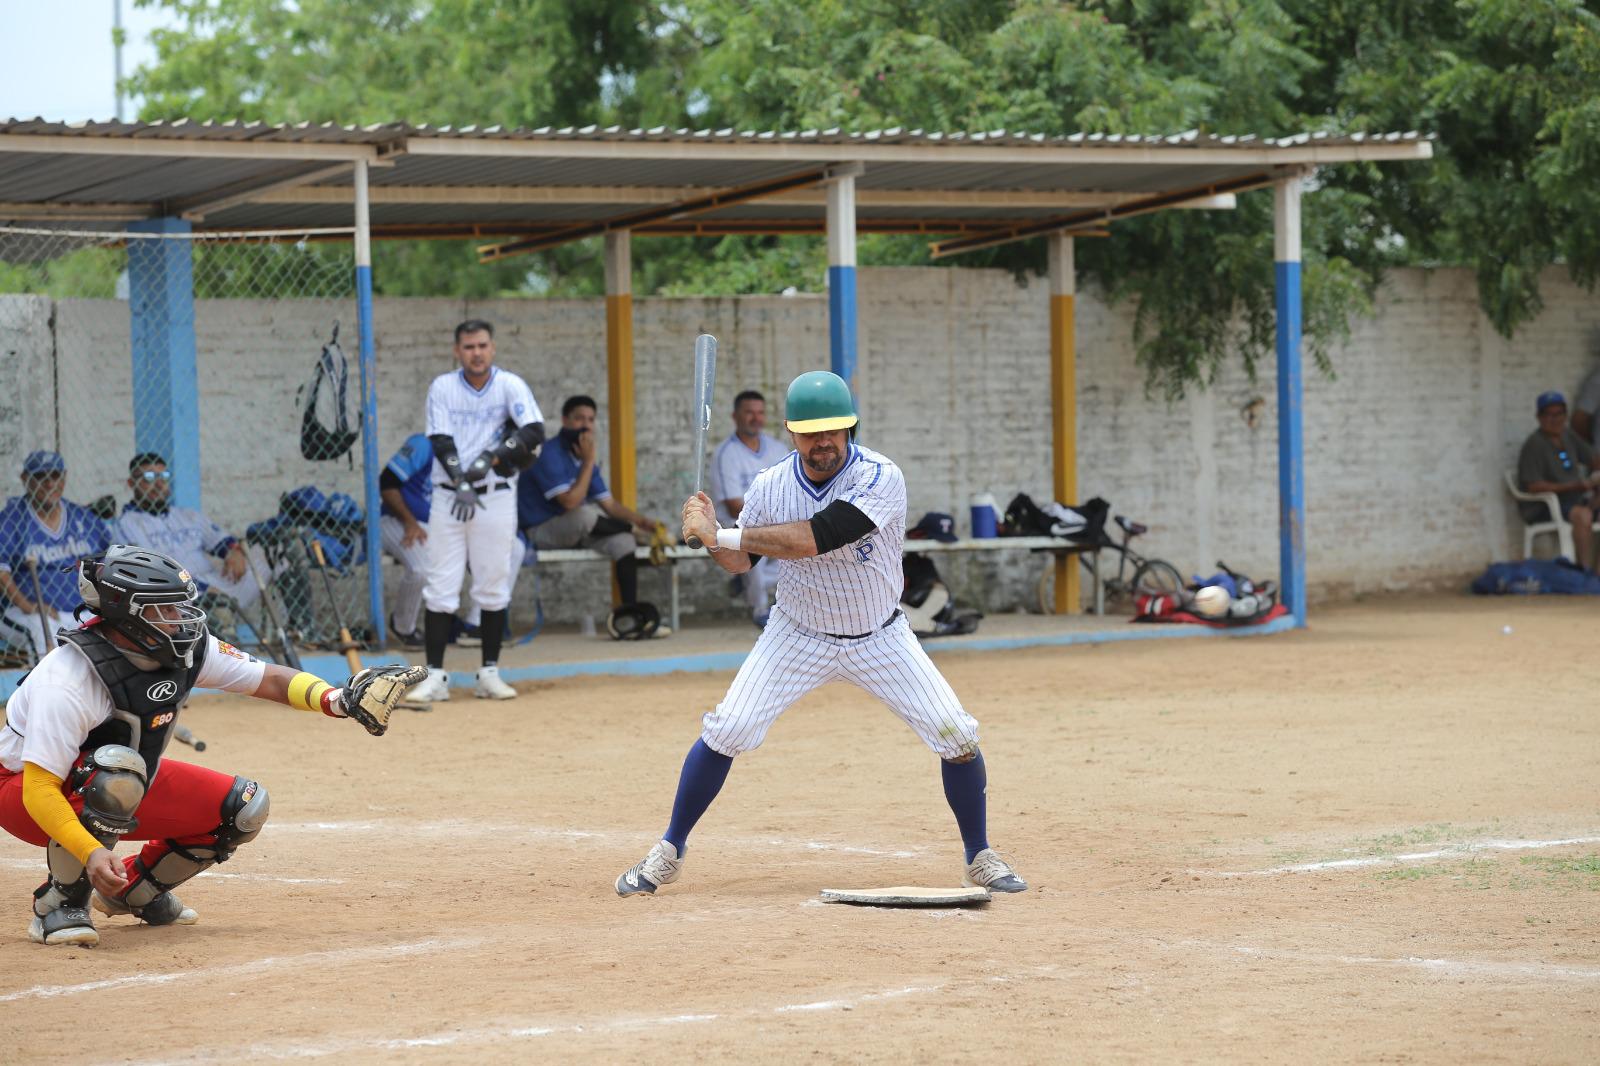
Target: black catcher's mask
[148,598]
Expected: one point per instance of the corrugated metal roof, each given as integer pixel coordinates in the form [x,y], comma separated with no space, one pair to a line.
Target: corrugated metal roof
[381,133]
[232,175]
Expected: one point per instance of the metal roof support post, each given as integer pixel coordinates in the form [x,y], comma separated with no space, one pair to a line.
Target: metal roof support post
[371,468]
[166,387]
[619,372]
[1064,405]
[1291,445]
[842,274]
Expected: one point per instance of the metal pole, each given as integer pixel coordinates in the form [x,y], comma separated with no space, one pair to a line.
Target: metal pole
[1291,445]
[371,467]
[1064,405]
[842,275]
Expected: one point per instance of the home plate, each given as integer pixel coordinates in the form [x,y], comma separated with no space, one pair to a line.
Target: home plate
[907,896]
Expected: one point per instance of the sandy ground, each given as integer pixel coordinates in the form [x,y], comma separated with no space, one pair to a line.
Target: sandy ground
[1193,816]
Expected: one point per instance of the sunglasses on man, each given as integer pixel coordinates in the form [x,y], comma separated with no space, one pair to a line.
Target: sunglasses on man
[154,475]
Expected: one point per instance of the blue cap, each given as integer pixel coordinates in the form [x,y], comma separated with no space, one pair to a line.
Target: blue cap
[43,462]
[934,526]
[1548,398]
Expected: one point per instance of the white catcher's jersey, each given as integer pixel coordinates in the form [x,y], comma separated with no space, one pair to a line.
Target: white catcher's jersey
[473,417]
[63,699]
[853,589]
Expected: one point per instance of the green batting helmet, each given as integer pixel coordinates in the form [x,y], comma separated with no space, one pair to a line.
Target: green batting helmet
[819,401]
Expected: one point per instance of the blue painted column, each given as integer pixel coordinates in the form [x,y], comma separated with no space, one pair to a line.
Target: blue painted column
[1291,443]
[371,465]
[166,387]
[842,275]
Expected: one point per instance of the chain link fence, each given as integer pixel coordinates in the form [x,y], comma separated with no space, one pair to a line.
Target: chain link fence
[154,390]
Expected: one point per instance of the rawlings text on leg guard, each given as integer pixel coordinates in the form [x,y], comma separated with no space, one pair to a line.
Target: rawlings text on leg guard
[111,782]
[244,812]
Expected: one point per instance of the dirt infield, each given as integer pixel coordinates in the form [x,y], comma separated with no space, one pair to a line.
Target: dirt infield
[1337,845]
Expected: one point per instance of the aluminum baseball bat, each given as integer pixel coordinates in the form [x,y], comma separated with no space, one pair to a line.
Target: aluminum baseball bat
[183,735]
[705,379]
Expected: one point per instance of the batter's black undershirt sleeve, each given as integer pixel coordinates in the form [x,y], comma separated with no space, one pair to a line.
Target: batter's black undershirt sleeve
[389,480]
[838,524]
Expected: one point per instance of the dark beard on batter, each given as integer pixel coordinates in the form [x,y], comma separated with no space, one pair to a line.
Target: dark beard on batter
[823,465]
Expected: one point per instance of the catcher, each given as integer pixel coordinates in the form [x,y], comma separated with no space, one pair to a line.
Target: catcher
[80,753]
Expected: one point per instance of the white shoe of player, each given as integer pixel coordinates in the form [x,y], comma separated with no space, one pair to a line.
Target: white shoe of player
[660,867]
[64,925]
[435,688]
[988,870]
[490,687]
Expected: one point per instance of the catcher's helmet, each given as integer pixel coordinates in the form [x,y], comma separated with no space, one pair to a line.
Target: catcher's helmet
[148,598]
[819,401]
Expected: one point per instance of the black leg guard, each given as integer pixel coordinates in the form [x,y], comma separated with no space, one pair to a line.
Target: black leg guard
[111,782]
[244,812]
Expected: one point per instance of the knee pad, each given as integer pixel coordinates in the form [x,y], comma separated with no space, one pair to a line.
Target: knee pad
[112,783]
[244,812]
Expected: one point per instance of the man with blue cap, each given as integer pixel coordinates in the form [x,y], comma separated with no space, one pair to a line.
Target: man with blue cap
[1555,459]
[40,533]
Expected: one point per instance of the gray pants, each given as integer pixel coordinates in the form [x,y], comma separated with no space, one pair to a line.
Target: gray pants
[575,529]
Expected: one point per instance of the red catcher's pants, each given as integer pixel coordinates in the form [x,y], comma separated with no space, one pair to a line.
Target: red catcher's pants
[184,805]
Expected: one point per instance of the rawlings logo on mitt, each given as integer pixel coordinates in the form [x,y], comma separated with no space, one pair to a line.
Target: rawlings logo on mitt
[370,696]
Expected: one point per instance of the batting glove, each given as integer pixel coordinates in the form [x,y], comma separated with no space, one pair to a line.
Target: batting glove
[465,504]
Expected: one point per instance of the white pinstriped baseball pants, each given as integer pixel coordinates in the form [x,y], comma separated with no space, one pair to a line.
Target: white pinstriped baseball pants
[789,661]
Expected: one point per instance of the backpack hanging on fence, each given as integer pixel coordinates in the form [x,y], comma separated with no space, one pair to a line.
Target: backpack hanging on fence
[317,441]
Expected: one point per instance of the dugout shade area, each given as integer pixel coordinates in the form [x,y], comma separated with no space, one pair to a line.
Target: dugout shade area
[183,193]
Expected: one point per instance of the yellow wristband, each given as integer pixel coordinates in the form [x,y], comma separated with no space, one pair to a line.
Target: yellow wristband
[305,692]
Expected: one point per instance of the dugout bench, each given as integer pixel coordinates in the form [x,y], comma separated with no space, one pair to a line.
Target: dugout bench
[1053,545]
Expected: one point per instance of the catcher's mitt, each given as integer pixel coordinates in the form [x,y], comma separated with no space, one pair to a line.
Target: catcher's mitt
[370,696]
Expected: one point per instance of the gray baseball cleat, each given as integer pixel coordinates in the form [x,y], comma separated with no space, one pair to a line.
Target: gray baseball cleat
[165,909]
[660,867]
[988,870]
[64,925]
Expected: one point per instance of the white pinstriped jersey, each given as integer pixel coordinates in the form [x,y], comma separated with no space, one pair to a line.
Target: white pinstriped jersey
[473,417]
[853,589]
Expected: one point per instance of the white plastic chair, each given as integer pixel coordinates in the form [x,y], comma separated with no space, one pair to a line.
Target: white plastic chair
[1555,524]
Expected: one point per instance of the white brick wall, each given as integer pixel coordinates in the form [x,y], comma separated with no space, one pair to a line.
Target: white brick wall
[1404,446]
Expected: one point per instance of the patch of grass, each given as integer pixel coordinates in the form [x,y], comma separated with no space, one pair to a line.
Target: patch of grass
[1573,872]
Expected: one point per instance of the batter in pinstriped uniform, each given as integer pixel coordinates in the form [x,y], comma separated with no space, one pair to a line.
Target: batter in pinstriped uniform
[833,515]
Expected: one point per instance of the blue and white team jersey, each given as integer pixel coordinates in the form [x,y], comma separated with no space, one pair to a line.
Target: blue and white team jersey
[853,589]
[198,543]
[24,536]
[413,465]
[734,468]
[473,417]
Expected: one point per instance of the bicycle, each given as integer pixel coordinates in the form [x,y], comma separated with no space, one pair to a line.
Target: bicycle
[1148,575]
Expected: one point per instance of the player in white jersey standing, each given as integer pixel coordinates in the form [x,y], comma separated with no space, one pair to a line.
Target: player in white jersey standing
[833,515]
[734,466]
[482,411]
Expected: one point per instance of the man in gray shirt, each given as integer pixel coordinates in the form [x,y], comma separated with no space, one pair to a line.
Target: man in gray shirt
[1555,459]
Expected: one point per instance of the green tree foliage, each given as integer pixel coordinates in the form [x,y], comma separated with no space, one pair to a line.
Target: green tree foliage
[1510,87]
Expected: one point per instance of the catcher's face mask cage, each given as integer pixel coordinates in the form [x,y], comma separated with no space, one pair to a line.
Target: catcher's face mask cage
[148,598]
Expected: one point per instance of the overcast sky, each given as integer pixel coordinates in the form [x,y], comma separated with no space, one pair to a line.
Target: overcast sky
[59,61]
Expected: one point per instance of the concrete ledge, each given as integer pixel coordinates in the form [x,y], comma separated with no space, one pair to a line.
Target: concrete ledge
[333,668]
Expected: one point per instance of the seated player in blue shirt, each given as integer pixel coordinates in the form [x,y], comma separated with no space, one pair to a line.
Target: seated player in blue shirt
[563,502]
[51,533]
[403,526]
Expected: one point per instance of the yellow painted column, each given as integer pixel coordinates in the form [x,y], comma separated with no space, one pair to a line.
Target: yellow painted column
[1064,407]
[623,477]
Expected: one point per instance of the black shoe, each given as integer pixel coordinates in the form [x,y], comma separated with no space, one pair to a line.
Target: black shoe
[411,641]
